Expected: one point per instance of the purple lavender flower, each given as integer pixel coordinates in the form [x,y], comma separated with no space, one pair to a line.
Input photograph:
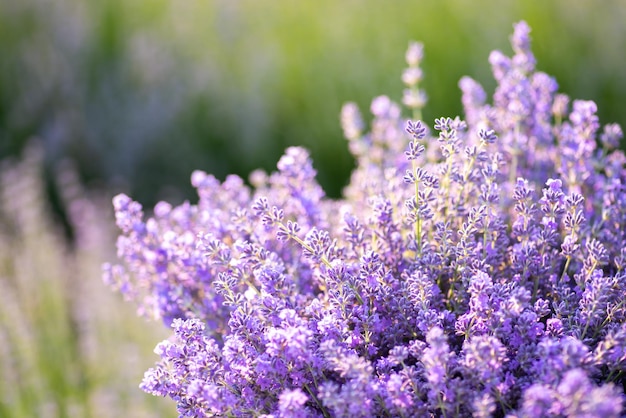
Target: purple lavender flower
[291,403]
[477,272]
[580,398]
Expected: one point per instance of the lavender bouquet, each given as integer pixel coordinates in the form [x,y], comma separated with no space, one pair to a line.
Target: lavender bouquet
[476,269]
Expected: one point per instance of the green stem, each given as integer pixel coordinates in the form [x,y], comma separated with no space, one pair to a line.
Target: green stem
[317,401]
[514,162]
[418,223]
[567,262]
[417,114]
[441,405]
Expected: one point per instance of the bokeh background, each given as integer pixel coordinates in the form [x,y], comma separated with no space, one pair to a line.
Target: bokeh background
[108,96]
[139,93]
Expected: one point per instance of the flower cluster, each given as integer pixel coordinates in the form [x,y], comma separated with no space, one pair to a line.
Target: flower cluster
[475,268]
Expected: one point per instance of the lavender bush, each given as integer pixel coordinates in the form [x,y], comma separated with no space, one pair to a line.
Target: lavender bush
[477,269]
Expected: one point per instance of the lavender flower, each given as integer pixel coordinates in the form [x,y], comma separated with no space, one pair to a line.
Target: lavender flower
[478,272]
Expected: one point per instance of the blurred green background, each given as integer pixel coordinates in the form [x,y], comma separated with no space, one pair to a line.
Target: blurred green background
[132,95]
[139,93]
[69,347]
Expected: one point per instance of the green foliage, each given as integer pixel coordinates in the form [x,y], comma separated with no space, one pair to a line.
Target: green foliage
[140,92]
[70,348]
